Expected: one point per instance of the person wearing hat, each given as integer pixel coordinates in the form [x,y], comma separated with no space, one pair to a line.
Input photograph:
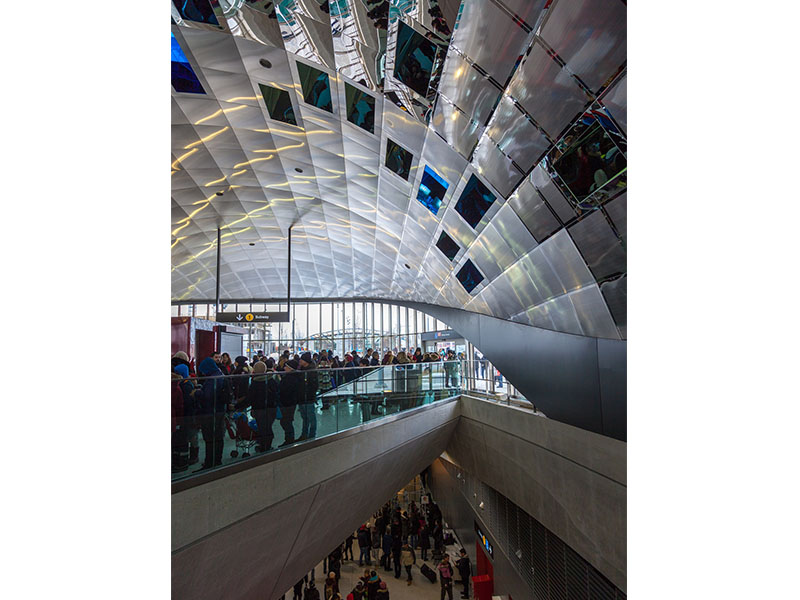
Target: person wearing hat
[188,422]
[359,592]
[287,400]
[373,583]
[180,358]
[331,588]
[309,384]
[383,592]
[262,396]
[213,401]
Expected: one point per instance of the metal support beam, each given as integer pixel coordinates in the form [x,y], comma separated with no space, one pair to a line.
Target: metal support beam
[219,254]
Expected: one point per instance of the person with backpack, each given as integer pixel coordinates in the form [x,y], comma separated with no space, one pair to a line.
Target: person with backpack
[446,577]
[465,571]
[408,558]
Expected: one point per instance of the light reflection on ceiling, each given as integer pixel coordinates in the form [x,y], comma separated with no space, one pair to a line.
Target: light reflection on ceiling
[519,106]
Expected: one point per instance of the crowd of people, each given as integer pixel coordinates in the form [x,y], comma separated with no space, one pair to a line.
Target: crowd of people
[390,543]
[201,396]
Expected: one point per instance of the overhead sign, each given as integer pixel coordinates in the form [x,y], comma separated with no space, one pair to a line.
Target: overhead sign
[484,541]
[447,334]
[244,318]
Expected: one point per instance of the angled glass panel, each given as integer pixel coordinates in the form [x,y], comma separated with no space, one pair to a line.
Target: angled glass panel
[431,190]
[448,247]
[469,276]
[199,11]
[475,200]
[360,108]
[591,164]
[184,78]
[398,159]
[316,87]
[414,59]
[279,104]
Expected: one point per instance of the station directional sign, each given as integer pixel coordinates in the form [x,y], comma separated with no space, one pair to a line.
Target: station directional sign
[243,318]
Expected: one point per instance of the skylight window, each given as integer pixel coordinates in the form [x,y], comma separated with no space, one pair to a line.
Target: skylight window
[448,247]
[360,108]
[398,159]
[279,104]
[316,87]
[184,78]
[469,276]
[431,190]
[475,200]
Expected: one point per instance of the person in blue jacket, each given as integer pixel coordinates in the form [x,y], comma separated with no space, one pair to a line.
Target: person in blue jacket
[214,397]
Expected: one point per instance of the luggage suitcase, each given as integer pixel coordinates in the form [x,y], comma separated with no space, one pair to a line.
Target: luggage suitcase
[428,572]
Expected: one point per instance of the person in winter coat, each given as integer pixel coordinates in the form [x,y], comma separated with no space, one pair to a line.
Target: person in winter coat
[331,588]
[383,592]
[359,592]
[364,543]
[312,593]
[417,355]
[373,583]
[424,541]
[289,390]
[408,558]
[241,382]
[226,364]
[386,559]
[214,398]
[188,422]
[397,551]
[180,358]
[446,577]
[262,396]
[376,543]
[465,571]
[308,400]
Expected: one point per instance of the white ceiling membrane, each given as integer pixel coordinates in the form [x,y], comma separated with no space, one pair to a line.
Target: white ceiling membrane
[372,128]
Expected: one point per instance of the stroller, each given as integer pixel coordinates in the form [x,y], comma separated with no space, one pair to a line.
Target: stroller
[242,431]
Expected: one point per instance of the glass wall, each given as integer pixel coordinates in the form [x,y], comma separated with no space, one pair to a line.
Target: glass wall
[338,326]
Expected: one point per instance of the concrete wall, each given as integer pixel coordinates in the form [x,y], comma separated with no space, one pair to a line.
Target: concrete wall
[572,481]
[461,517]
[258,531]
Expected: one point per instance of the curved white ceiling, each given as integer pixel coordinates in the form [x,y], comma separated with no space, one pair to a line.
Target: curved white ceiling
[357,228]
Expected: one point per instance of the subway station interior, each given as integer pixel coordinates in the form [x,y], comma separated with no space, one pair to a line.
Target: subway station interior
[398,295]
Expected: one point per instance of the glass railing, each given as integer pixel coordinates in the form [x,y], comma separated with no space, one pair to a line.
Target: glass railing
[219,420]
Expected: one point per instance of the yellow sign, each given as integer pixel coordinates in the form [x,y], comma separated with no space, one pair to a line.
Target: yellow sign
[249,317]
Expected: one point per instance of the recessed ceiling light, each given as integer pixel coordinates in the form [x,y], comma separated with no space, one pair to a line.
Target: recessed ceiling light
[298,170]
[265,63]
[252,243]
[220,193]
[408,266]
